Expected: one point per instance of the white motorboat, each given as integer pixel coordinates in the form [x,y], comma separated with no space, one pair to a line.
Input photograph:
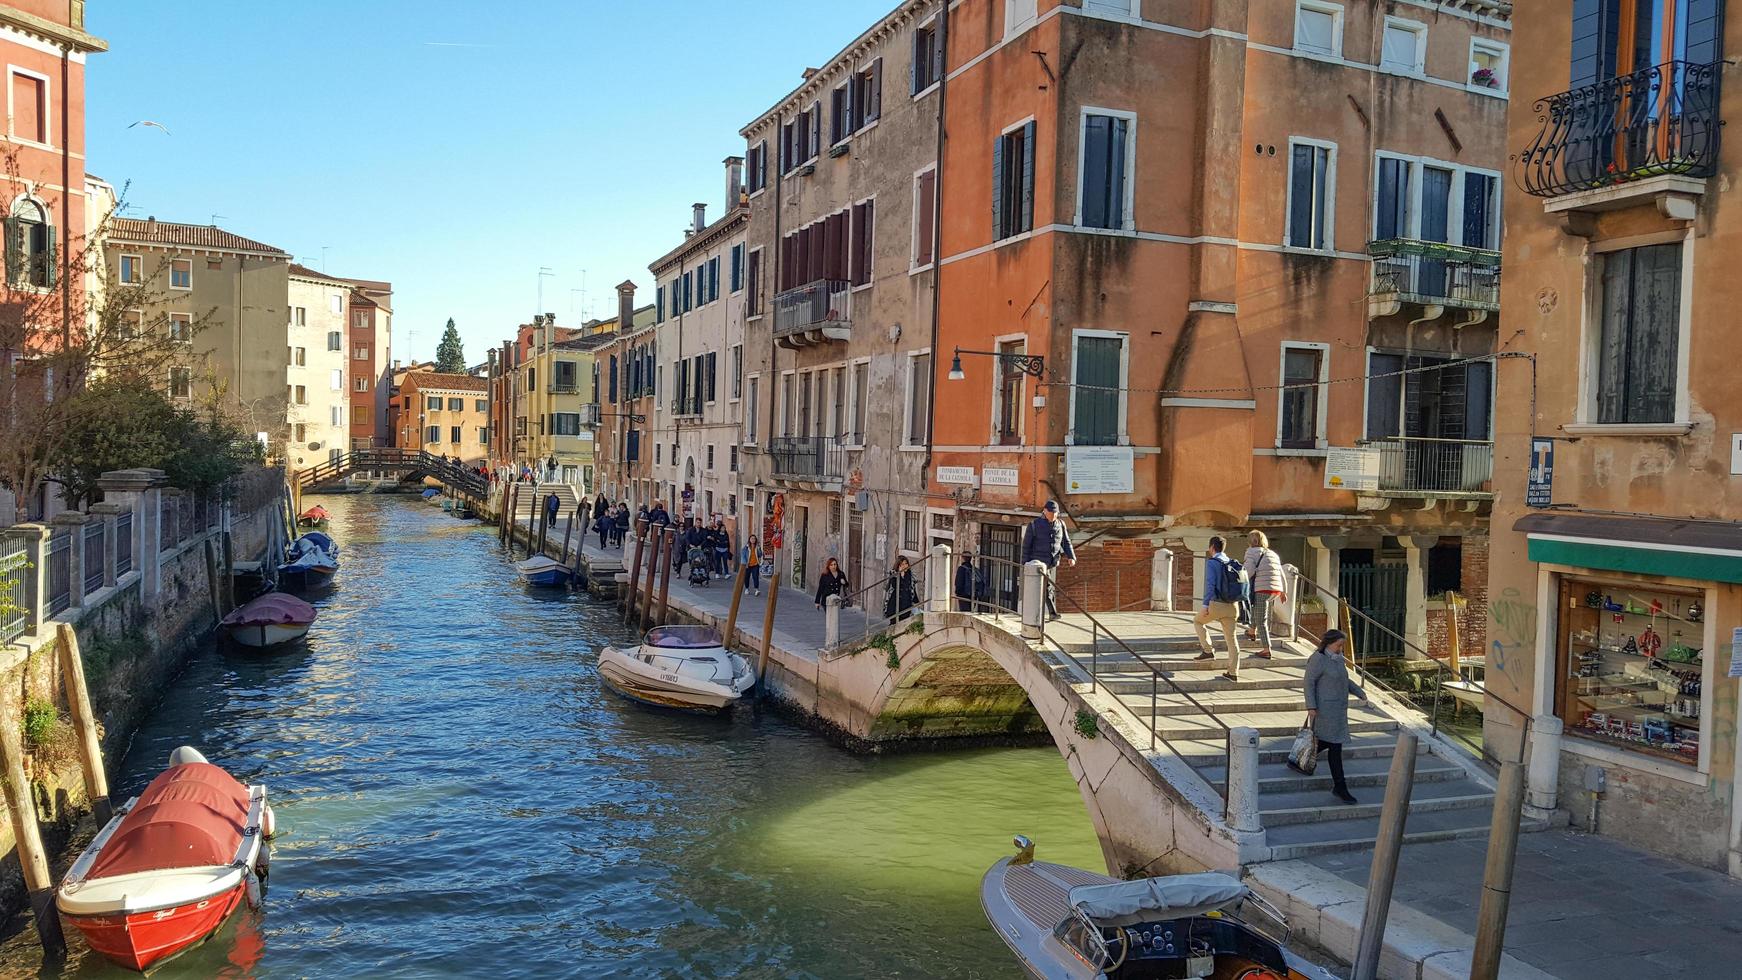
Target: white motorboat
[685,667]
[270,620]
[1065,923]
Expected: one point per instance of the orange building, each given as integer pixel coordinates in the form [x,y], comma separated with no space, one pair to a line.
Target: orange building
[1254,245]
[370,350]
[444,414]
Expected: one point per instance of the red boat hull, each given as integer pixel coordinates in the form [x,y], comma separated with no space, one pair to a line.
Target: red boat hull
[141,940]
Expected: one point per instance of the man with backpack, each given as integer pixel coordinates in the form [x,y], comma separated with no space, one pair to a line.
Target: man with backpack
[1223,590]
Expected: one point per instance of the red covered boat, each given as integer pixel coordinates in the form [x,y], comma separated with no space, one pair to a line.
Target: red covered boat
[170,867]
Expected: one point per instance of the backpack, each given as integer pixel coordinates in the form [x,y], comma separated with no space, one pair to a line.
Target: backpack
[1226,585]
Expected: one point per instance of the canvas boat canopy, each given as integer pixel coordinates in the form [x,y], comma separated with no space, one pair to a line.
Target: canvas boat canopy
[683,637]
[1125,903]
[192,815]
[272,609]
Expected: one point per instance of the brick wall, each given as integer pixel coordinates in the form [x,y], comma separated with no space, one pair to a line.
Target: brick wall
[1110,574]
[1473,624]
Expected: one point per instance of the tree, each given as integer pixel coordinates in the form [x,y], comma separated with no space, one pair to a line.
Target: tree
[450,354]
[111,426]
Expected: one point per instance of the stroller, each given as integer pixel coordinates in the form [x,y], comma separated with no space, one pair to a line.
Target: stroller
[698,562]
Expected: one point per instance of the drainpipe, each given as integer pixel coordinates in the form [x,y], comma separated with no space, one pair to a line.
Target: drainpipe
[66,207]
[937,258]
[773,345]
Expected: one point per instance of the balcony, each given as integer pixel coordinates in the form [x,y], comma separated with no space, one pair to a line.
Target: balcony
[1649,134]
[561,387]
[813,462]
[1432,274]
[814,313]
[1416,466]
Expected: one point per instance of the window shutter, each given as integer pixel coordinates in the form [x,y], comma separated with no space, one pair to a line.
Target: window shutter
[1384,395]
[1028,176]
[1478,399]
[14,251]
[816,129]
[874,100]
[1653,341]
[918,52]
[1097,145]
[48,257]
[1116,184]
[1705,31]
[925,217]
[1300,212]
[1097,397]
[1596,27]
[1612,345]
[997,188]
[937,54]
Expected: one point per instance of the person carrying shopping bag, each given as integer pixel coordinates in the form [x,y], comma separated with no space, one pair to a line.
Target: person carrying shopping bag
[1328,686]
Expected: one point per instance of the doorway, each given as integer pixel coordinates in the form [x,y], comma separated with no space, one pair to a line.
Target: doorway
[1002,544]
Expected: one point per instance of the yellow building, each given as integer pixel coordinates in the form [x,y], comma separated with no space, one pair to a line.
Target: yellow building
[554,382]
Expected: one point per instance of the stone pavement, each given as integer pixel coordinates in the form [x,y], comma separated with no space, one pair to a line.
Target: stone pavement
[1583,907]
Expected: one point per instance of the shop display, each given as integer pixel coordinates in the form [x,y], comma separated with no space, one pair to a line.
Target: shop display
[1631,671]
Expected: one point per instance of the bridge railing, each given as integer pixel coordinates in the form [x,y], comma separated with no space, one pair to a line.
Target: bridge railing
[872,600]
[404,461]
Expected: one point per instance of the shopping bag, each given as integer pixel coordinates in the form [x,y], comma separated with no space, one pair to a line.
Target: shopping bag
[1304,754]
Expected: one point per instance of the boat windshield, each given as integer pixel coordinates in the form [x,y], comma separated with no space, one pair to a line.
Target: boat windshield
[683,637]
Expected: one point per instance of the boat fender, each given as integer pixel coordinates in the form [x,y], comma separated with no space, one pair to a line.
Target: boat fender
[268,824]
[251,883]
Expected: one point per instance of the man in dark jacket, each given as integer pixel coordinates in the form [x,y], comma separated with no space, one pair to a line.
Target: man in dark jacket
[1047,541]
[970,585]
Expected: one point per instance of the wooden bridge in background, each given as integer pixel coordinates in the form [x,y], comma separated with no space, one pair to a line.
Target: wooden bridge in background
[410,465]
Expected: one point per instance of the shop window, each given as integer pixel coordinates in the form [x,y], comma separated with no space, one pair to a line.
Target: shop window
[1629,668]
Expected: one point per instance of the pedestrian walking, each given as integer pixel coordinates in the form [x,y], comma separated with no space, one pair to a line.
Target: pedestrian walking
[604,525]
[751,557]
[1264,574]
[1327,703]
[722,548]
[899,596]
[658,516]
[833,581]
[620,525]
[970,585]
[1222,592]
[1048,540]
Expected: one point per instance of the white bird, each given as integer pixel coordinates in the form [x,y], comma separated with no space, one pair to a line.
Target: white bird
[148,122]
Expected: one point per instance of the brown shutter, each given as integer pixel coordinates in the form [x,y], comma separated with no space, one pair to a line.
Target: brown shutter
[874,100]
[925,217]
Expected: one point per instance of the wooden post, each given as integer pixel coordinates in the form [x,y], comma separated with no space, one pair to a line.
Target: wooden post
[732,614]
[1344,620]
[22,804]
[634,571]
[85,720]
[1497,874]
[652,574]
[671,545]
[212,581]
[229,557]
[1386,849]
[767,631]
[568,529]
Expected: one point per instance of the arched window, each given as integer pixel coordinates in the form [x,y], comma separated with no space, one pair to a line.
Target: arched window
[29,246]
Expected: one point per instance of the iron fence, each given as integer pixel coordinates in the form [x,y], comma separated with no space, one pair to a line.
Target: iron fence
[814,457]
[1417,464]
[123,544]
[60,572]
[15,598]
[1435,274]
[93,556]
[1657,121]
[825,302]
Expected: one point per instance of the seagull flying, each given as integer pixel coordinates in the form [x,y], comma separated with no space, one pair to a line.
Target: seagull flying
[148,122]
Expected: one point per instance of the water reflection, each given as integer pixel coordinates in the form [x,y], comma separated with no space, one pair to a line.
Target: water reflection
[458,796]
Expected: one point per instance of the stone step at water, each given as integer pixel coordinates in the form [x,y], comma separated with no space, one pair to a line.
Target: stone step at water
[1368,771]
[1266,722]
[1253,677]
[1209,751]
[1357,834]
[1313,806]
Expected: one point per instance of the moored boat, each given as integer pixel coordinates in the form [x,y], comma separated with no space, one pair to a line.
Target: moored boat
[312,562]
[685,667]
[543,572]
[1065,923]
[269,620]
[171,866]
[315,516]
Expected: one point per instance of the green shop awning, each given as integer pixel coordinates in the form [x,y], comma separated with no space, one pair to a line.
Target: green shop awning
[1709,551]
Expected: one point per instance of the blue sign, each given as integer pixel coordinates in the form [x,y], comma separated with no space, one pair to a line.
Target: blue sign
[1540,491]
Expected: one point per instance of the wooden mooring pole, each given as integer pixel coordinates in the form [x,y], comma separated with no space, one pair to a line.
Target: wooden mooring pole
[634,571]
[85,720]
[31,856]
[671,544]
[652,574]
[767,632]
[1497,873]
[1386,849]
[732,614]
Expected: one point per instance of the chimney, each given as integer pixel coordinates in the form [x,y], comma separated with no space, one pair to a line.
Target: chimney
[698,217]
[625,306]
[734,182]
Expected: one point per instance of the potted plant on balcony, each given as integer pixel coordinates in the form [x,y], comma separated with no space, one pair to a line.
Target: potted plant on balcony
[1485,77]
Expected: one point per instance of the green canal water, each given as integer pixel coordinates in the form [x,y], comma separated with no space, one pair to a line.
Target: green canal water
[458,796]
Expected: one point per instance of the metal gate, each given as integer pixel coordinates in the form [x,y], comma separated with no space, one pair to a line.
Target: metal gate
[1379,591]
[1003,542]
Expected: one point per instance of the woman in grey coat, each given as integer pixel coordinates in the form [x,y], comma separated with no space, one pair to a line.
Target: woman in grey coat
[1327,702]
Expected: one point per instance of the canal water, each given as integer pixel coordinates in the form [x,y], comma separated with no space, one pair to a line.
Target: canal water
[458,796]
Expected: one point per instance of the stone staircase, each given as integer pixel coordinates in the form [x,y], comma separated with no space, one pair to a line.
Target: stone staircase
[532,497]
[1299,814]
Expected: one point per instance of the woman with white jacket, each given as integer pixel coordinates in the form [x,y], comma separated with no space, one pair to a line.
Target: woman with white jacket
[1264,571]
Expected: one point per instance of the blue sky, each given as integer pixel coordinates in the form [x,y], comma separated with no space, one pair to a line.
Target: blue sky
[451,147]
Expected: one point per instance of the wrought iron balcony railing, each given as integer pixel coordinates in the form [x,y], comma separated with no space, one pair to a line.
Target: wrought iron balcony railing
[808,457]
[823,303]
[561,387]
[1657,121]
[1435,467]
[1435,274]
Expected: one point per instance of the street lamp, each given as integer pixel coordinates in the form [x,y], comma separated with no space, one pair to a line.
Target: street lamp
[1033,365]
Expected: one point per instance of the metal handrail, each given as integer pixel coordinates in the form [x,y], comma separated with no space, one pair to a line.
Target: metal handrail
[880,622]
[1441,670]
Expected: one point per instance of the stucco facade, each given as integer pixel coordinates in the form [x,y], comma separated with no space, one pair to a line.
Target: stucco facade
[1618,476]
[320,366]
[444,414]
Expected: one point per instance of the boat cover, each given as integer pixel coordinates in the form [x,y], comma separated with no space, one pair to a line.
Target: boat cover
[315,513]
[431,492]
[272,609]
[309,558]
[1126,903]
[683,637]
[191,816]
[317,539]
[539,563]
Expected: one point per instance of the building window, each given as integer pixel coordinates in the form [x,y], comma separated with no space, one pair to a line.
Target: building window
[359,318]
[753,282]
[302,394]
[867,99]
[299,316]
[132,324]
[861,401]
[1013,182]
[738,267]
[30,257]
[336,305]
[180,382]
[360,352]
[1105,179]
[737,371]
[1490,64]
[456,404]
[707,377]
[432,434]
[910,528]
[335,415]
[927,66]
[1318,27]
[918,399]
[483,436]
[298,432]
[1416,200]
[1018,14]
[181,330]
[756,166]
[925,192]
[1404,48]
[1098,388]
[752,411]
[710,456]
[131,271]
[841,112]
[1311,194]
[864,219]
[298,355]
[359,415]
[334,341]
[659,304]
[1007,410]
[432,403]
[1637,377]
[181,274]
[30,107]
[732,459]
[362,384]
[336,380]
[713,278]
[481,405]
[1423,397]
[1301,422]
[565,424]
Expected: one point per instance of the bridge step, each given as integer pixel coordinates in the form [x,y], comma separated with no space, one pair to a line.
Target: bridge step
[1277,777]
[1266,722]
[1206,753]
[1238,701]
[1357,834]
[1252,678]
[1282,809]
